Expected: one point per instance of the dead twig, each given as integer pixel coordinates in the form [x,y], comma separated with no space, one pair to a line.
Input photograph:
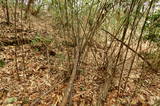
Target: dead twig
[46,93]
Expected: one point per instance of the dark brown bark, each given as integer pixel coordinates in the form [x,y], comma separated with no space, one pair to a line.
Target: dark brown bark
[7,13]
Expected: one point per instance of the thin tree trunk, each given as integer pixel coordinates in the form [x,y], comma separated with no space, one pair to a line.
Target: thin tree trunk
[16,61]
[28,8]
[138,44]
[7,13]
[70,85]
[108,82]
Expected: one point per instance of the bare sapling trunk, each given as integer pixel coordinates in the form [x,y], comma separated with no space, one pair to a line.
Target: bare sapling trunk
[70,84]
[6,11]
[28,8]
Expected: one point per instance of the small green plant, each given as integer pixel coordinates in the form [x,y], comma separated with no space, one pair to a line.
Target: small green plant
[11,100]
[41,39]
[35,40]
[25,100]
[82,88]
[40,42]
[82,71]
[2,63]
[152,28]
[60,56]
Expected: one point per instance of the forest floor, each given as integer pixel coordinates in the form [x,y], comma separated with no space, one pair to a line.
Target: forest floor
[44,76]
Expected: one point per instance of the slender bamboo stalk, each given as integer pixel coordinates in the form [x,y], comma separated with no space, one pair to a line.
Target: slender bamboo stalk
[139,40]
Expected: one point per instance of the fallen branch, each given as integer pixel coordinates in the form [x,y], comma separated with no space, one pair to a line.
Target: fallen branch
[46,93]
[148,63]
[70,84]
[13,42]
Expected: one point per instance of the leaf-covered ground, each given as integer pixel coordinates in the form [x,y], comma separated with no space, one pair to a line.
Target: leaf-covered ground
[44,76]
